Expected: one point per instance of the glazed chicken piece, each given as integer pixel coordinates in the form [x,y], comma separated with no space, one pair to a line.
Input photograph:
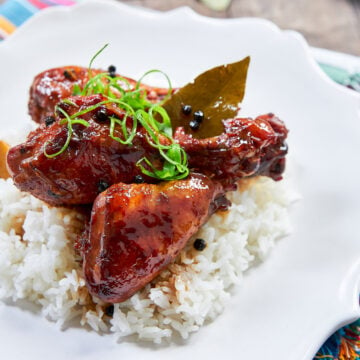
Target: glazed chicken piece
[53,85]
[93,161]
[248,147]
[136,230]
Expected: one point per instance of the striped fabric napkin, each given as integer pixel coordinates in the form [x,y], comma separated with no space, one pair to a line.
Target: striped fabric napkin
[14,12]
[345,343]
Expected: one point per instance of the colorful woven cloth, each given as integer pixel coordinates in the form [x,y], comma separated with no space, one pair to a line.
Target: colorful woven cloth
[345,343]
[14,12]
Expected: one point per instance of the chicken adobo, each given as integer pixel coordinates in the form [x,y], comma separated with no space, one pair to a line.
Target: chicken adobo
[105,141]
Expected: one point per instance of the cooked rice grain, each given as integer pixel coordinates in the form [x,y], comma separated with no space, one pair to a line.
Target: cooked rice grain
[38,263]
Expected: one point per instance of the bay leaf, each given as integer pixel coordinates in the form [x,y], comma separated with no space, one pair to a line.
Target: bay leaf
[217,92]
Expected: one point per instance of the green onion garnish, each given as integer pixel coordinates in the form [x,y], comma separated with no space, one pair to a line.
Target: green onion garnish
[70,122]
[133,100]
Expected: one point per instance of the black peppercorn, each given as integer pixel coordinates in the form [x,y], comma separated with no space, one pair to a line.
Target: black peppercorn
[186,109]
[49,120]
[199,244]
[139,179]
[198,116]
[68,74]
[102,115]
[109,310]
[112,70]
[102,186]
[194,125]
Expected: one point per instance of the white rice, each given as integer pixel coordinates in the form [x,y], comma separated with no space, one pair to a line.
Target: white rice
[38,263]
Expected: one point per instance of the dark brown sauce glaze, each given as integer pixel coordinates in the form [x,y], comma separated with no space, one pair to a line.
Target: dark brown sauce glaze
[137,229]
[91,160]
[53,85]
[248,147]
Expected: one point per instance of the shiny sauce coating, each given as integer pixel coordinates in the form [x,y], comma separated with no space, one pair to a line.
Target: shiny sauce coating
[138,229]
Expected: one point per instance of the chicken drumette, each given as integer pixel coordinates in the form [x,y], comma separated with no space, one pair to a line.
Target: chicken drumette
[136,230]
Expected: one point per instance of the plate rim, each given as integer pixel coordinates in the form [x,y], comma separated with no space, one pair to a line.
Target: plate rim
[189,12]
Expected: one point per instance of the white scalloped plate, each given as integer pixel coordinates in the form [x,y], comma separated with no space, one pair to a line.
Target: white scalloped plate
[309,285]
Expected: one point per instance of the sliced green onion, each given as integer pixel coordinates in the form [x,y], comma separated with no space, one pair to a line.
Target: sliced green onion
[76,90]
[94,57]
[70,123]
[152,117]
[138,83]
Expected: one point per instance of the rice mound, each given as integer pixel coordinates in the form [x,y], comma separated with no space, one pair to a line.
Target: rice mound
[38,263]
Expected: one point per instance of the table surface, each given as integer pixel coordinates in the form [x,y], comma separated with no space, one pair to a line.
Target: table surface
[331,24]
